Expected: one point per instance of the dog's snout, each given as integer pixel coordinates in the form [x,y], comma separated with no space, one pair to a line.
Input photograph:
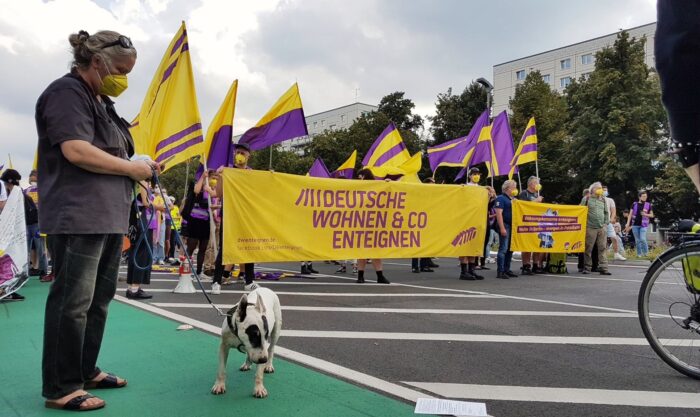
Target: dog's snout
[263,359]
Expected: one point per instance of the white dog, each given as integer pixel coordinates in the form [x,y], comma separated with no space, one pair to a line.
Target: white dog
[253,327]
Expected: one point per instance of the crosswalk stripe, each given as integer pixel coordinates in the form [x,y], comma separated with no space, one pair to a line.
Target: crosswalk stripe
[420,311]
[343,294]
[488,338]
[561,395]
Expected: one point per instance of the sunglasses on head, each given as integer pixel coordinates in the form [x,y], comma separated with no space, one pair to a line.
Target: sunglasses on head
[122,41]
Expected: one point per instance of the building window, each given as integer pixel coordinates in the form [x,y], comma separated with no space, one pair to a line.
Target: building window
[565,63]
[323,123]
[586,75]
[564,82]
[546,78]
[586,59]
[332,127]
[342,118]
[520,75]
[315,124]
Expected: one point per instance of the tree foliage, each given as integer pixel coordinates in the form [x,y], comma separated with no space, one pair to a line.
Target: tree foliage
[455,114]
[616,121]
[535,98]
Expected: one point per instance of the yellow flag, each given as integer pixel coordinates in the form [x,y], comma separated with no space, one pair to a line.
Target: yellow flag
[168,127]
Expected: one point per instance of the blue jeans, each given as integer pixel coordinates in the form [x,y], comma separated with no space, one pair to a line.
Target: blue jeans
[504,254]
[86,269]
[37,242]
[640,239]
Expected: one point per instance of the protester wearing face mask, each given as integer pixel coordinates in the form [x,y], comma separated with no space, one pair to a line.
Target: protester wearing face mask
[504,214]
[241,157]
[467,264]
[532,261]
[641,214]
[596,230]
[85,189]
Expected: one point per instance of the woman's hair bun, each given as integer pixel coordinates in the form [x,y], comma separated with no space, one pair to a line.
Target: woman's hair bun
[78,39]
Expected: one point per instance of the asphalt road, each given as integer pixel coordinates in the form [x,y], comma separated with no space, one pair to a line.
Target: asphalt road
[544,345]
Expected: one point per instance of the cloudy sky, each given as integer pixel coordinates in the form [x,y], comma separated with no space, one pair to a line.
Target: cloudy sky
[334,49]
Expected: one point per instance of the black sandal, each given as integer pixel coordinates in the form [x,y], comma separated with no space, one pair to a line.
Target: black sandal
[74,404]
[110,381]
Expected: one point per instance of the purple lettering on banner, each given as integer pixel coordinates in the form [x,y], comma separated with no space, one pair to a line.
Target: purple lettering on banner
[335,219]
[348,239]
[368,242]
[379,198]
[415,239]
[328,198]
[401,201]
[354,199]
[336,239]
[371,196]
[301,194]
[347,218]
[320,218]
[340,199]
[391,200]
[361,198]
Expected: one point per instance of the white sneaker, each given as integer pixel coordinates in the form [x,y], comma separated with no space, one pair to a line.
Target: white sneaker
[161,262]
[215,288]
[250,287]
[619,257]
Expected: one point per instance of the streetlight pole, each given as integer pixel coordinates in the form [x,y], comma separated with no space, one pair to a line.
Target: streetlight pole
[489,100]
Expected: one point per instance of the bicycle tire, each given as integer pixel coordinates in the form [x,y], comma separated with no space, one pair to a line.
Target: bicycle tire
[667,266]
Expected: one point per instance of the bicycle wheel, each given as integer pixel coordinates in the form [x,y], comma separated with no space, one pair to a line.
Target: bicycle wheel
[669,308]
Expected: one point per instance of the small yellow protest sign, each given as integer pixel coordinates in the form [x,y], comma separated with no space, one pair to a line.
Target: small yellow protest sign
[541,227]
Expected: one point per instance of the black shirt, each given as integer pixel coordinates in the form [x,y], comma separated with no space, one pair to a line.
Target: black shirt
[74,200]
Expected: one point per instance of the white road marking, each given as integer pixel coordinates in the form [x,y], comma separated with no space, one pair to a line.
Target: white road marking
[421,311]
[562,395]
[310,361]
[488,338]
[343,294]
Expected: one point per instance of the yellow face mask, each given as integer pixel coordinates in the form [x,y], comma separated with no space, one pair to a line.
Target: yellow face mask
[514,192]
[476,178]
[241,159]
[538,187]
[599,192]
[113,85]
[212,183]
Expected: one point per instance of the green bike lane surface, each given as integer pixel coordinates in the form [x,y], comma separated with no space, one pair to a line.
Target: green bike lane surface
[170,372]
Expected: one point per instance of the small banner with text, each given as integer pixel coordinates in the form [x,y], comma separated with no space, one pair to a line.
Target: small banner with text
[553,228]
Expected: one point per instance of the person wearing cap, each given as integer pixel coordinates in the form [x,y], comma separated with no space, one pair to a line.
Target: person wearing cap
[241,156]
[8,181]
[86,182]
[467,264]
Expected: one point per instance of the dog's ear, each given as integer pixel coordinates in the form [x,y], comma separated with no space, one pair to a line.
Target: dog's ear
[260,306]
[242,307]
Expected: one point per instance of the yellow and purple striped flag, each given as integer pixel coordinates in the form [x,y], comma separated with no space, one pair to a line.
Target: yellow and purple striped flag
[168,127]
[389,156]
[527,149]
[319,170]
[285,120]
[219,142]
[347,169]
[457,152]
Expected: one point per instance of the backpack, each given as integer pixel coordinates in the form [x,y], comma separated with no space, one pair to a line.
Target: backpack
[556,264]
[31,213]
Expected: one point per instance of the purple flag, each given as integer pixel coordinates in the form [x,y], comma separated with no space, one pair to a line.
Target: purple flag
[502,143]
[456,151]
[319,170]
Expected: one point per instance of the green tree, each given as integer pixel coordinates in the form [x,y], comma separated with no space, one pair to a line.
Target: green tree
[400,111]
[617,121]
[174,180]
[455,114]
[674,196]
[535,98]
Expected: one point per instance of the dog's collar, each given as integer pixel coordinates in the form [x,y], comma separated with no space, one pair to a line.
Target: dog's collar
[234,328]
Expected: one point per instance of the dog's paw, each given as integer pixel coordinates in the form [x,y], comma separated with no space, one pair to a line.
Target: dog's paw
[218,389]
[259,392]
[245,367]
[269,369]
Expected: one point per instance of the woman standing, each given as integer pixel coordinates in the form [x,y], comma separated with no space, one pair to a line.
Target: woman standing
[198,227]
[366,174]
[638,222]
[84,169]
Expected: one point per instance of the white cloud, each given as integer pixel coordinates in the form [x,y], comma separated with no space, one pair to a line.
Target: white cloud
[331,48]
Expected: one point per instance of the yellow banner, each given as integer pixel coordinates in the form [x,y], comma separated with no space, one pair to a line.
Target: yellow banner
[271,217]
[540,227]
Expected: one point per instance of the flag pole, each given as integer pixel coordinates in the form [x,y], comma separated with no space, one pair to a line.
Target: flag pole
[520,183]
[187,179]
[537,174]
[271,157]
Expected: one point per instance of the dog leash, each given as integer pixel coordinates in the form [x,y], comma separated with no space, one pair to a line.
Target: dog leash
[178,238]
